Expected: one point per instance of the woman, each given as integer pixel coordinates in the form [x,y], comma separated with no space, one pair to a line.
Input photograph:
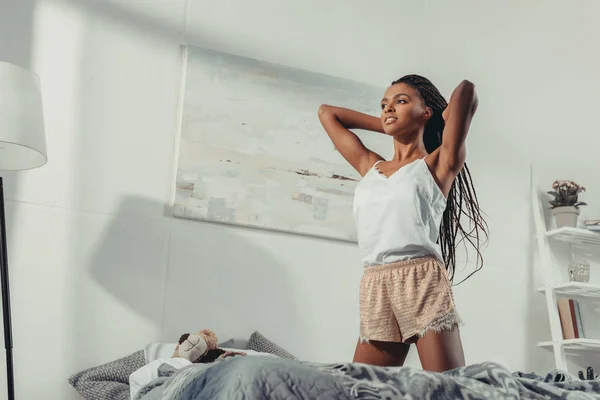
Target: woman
[408,213]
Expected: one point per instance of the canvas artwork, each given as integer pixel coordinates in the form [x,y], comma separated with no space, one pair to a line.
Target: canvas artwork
[252,151]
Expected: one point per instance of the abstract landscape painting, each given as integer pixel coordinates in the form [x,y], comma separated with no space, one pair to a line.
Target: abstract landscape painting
[252,151]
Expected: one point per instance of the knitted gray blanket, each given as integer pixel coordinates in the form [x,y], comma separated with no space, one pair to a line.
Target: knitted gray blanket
[272,378]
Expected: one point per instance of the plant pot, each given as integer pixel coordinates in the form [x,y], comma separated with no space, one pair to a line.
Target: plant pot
[566,216]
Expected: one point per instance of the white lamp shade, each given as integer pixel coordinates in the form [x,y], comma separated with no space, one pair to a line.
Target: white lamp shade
[22,136]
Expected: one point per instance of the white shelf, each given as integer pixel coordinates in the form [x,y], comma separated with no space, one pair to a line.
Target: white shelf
[575,236]
[582,242]
[575,344]
[574,290]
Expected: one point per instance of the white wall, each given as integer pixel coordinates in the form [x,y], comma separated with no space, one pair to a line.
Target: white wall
[99,268]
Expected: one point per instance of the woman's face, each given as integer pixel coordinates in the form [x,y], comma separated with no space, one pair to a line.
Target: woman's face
[403,110]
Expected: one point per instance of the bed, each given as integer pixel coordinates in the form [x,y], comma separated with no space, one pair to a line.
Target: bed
[278,378]
[277,374]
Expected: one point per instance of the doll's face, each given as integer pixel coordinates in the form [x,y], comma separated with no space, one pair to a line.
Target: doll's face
[193,347]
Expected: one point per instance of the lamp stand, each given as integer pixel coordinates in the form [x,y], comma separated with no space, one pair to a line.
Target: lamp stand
[8,344]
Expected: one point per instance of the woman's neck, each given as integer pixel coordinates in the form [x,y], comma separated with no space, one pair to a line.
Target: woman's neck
[408,149]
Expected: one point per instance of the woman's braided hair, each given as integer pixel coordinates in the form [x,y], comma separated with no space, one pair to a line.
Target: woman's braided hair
[462,199]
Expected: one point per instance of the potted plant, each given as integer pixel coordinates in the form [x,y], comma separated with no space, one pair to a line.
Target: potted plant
[565,205]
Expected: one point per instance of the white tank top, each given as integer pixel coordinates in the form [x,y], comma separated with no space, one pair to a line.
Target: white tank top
[398,218]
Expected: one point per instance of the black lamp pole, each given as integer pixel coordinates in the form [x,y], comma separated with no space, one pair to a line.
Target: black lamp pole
[8,344]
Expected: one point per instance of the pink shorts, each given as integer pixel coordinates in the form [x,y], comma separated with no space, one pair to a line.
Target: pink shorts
[402,301]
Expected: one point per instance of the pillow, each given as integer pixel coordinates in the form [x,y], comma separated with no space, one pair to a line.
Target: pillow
[157,350]
[239,344]
[258,342]
[229,344]
[110,380]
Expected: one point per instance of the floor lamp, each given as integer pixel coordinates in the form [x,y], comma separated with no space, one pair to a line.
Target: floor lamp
[22,146]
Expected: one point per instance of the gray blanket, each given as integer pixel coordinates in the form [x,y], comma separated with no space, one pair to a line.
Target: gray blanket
[255,377]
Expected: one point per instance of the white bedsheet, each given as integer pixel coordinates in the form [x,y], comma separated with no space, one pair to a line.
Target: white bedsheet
[149,372]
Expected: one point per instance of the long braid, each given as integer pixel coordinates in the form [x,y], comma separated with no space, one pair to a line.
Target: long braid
[462,199]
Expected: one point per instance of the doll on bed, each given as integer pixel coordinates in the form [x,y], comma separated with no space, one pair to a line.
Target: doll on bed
[191,349]
[201,347]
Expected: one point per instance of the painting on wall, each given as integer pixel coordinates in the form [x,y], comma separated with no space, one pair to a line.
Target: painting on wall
[252,151]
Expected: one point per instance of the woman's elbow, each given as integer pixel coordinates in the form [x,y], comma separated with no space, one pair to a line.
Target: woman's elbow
[466,91]
[324,109]
[467,85]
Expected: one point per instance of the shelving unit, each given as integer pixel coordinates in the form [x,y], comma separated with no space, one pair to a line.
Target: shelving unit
[575,236]
[574,290]
[575,345]
[580,240]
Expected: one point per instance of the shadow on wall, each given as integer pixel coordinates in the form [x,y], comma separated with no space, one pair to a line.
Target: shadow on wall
[220,281]
[150,25]
[189,275]
[130,260]
[16,32]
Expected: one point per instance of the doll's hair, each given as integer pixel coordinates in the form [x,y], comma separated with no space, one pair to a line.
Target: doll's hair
[210,356]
